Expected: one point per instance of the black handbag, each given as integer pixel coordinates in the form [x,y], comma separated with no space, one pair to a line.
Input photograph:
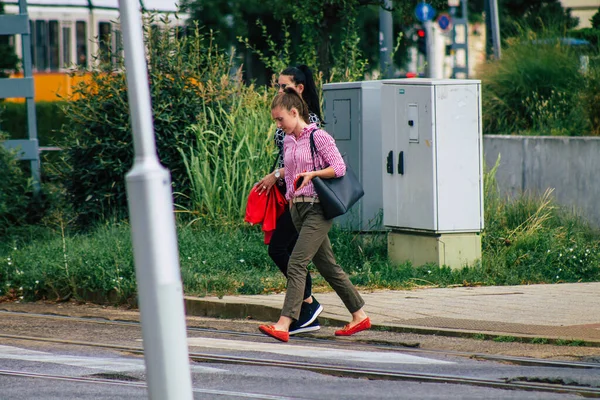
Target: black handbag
[336,195]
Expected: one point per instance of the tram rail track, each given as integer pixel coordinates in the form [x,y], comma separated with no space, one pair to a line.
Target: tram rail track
[78,379]
[524,361]
[369,373]
[128,383]
[322,368]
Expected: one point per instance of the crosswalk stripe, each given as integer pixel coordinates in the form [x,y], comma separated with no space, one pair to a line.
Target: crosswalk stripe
[314,352]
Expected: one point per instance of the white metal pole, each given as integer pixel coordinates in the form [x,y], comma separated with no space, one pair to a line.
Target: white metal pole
[495,20]
[153,232]
[386,40]
[431,49]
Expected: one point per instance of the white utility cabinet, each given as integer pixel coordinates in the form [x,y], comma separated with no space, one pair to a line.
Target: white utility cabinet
[353,118]
[432,168]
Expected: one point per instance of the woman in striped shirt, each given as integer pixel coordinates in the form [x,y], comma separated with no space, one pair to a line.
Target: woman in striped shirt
[282,242]
[290,112]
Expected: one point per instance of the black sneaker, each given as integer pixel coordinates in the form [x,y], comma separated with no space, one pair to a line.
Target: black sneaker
[295,328]
[309,313]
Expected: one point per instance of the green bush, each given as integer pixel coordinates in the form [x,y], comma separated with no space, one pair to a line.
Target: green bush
[186,75]
[591,95]
[590,34]
[595,20]
[50,118]
[15,190]
[536,88]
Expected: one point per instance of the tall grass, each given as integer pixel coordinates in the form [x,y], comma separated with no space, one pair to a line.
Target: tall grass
[530,239]
[234,148]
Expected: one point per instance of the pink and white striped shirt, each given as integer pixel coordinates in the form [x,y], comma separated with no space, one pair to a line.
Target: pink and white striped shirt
[298,158]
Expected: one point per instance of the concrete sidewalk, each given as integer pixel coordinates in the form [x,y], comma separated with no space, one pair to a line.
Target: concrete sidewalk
[569,311]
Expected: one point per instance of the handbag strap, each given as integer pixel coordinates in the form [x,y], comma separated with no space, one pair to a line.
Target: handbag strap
[276,160]
[313,148]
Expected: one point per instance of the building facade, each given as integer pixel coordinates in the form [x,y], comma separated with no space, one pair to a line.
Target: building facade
[582,9]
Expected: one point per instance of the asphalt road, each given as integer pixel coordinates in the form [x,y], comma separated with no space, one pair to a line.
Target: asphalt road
[112,373]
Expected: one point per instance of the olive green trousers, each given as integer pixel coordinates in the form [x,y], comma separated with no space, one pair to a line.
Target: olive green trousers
[313,245]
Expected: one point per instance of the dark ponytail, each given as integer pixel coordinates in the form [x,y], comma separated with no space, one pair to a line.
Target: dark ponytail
[291,99]
[303,75]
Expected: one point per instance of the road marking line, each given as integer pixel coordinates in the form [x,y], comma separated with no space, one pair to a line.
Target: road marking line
[117,364]
[378,357]
[245,395]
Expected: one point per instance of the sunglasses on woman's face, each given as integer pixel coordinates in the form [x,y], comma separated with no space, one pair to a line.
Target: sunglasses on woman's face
[281,86]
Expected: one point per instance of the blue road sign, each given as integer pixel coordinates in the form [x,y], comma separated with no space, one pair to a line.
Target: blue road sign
[424,12]
[444,21]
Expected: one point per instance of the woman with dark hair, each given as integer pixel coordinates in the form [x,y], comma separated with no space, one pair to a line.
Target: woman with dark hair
[291,114]
[301,80]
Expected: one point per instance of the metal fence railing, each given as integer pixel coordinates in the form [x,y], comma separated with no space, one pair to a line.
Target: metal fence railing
[28,149]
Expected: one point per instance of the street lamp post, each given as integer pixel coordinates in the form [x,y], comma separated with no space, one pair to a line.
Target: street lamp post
[386,43]
[495,22]
[153,232]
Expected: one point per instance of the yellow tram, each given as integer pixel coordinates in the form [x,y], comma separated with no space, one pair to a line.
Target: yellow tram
[70,33]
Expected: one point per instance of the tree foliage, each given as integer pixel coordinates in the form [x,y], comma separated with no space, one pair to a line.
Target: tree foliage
[15,189]
[187,75]
[535,15]
[336,37]
[596,20]
[229,20]
[331,34]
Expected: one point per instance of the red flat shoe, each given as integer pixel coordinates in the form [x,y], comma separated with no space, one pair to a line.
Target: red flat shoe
[274,333]
[361,326]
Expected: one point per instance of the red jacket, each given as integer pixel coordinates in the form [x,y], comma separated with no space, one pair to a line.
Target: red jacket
[265,209]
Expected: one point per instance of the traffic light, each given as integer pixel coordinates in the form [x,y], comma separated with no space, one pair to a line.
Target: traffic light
[422,40]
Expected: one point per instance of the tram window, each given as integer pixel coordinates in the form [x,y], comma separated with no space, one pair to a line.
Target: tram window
[81,42]
[41,45]
[53,41]
[104,41]
[66,47]
[5,41]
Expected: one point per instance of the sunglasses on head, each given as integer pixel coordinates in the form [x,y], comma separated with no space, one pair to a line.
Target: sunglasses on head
[281,86]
